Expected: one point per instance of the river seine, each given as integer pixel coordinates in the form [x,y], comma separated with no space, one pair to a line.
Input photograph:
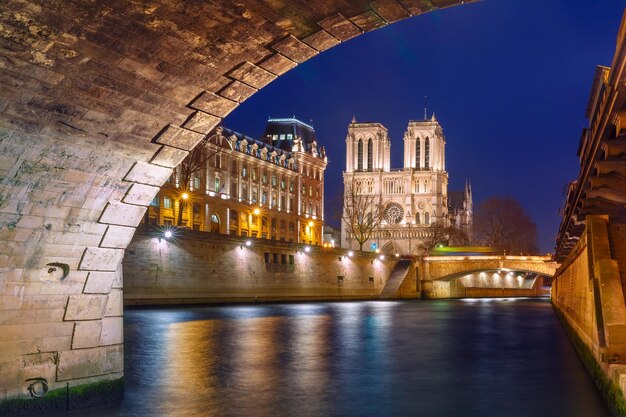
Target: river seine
[452,358]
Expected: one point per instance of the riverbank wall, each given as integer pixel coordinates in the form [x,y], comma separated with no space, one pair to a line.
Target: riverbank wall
[200,267]
[588,294]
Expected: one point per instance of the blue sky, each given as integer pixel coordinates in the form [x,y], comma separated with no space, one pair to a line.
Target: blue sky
[508,80]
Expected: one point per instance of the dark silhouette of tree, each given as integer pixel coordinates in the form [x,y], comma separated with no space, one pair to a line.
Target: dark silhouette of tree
[362,212]
[502,223]
[194,163]
[440,234]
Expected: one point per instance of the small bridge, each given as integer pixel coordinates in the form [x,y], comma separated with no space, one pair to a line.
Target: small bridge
[489,275]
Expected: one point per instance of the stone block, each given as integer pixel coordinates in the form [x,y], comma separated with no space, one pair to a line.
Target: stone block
[10,332]
[340,27]
[213,104]
[278,64]
[390,10]
[294,49]
[321,40]
[112,331]
[417,7]
[252,75]
[115,305]
[101,259]
[140,194]
[237,91]
[180,138]
[117,237]
[368,21]
[145,173]
[86,307]
[122,214]
[201,122]
[169,157]
[83,363]
[87,334]
[99,282]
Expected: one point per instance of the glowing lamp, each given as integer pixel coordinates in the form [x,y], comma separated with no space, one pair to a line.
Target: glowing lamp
[350,254]
[167,234]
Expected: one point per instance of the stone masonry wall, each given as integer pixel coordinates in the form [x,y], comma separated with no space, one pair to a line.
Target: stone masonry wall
[205,267]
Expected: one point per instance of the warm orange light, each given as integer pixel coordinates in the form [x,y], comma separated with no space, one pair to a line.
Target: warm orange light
[311,224]
[185,196]
[256,211]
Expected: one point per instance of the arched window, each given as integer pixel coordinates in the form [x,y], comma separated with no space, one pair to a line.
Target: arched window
[264,198]
[215,223]
[417,218]
[370,154]
[417,153]
[427,153]
[217,184]
[359,155]
[426,218]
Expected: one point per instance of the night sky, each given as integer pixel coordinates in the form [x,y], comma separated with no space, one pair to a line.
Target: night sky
[508,80]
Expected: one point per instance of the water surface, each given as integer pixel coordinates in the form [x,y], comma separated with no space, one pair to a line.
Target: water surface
[446,358]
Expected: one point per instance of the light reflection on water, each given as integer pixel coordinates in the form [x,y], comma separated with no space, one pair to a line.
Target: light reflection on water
[437,358]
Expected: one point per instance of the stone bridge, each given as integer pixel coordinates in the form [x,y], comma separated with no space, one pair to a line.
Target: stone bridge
[100,100]
[453,276]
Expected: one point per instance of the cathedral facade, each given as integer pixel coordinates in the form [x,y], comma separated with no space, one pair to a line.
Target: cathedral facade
[413,198]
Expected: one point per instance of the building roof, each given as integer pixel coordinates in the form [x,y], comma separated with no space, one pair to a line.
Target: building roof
[280,132]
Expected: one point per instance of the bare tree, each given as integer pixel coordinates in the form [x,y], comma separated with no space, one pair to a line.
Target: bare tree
[440,234]
[194,163]
[363,212]
[502,223]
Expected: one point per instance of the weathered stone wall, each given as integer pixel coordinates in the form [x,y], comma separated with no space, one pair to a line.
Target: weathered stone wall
[205,267]
[588,294]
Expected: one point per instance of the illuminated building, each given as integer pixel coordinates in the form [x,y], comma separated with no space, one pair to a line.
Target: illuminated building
[269,188]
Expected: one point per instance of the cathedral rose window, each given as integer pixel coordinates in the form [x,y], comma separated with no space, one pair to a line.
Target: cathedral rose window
[394,213]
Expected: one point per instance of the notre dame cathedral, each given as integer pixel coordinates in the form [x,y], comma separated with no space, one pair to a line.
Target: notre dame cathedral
[415,196]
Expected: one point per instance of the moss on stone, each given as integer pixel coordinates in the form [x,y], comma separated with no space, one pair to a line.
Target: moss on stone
[610,391]
[61,400]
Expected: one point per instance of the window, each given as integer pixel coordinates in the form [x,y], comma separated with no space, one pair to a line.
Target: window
[195,182]
[274,180]
[264,178]
[167,202]
[155,202]
[292,226]
[417,218]
[255,195]
[267,258]
[273,223]
[233,167]
[370,154]
[283,258]
[275,258]
[417,155]
[196,208]
[263,197]
[217,184]
[427,153]
[254,174]
[273,200]
[282,202]
[303,190]
[289,136]
[244,170]
[218,161]
[291,185]
[282,137]
[282,225]
[426,218]
[310,191]
[244,191]
[274,137]
[359,156]
[233,189]
[282,183]
[291,260]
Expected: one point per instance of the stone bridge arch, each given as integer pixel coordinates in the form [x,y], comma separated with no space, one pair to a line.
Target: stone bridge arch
[100,101]
[446,268]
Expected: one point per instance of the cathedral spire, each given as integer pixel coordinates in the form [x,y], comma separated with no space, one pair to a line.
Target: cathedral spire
[353,119]
[425,108]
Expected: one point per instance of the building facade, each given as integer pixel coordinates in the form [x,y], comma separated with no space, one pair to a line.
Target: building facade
[415,196]
[270,188]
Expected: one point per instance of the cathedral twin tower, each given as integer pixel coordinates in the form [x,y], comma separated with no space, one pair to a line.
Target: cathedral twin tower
[415,197]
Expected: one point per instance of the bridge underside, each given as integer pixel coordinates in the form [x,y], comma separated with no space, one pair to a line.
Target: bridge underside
[100,100]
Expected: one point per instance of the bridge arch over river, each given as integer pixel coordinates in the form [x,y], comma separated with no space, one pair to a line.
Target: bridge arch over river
[100,101]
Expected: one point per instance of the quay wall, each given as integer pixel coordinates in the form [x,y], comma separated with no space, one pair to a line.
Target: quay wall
[200,267]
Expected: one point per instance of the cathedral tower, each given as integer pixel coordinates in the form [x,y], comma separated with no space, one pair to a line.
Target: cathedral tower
[367,147]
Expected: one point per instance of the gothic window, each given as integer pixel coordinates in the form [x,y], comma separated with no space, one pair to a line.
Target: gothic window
[427,153]
[426,218]
[417,218]
[394,213]
[370,154]
[360,155]
[417,154]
